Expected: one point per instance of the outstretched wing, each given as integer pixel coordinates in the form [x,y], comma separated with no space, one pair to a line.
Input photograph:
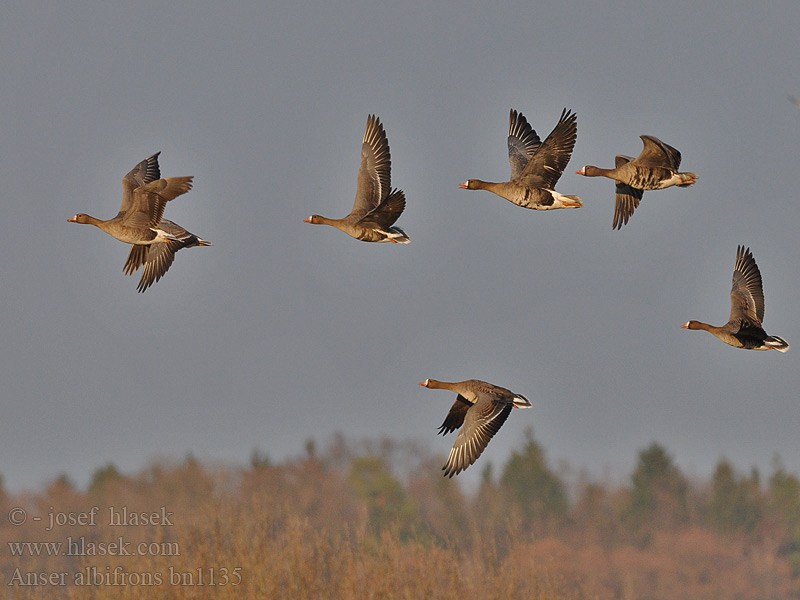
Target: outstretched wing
[551,158]
[522,143]
[136,258]
[455,417]
[145,172]
[481,422]
[387,212]
[150,200]
[159,260]
[658,154]
[747,296]
[627,197]
[375,172]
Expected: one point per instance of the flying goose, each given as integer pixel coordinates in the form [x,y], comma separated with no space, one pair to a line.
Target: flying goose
[139,220]
[376,206]
[743,329]
[480,410]
[655,168]
[536,166]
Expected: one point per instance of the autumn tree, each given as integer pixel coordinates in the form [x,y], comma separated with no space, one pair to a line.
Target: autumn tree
[441,507]
[597,512]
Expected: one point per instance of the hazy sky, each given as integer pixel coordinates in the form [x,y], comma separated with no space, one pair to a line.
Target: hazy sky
[284,331]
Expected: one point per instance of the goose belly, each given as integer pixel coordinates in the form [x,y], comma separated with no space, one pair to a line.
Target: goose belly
[134,235]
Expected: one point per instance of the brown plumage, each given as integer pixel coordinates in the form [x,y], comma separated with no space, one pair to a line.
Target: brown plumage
[655,168]
[139,220]
[144,198]
[377,206]
[743,329]
[480,410]
[158,258]
[535,166]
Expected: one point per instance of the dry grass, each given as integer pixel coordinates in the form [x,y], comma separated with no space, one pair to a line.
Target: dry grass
[308,530]
[291,532]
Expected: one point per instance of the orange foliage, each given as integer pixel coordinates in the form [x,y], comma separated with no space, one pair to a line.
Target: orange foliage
[309,529]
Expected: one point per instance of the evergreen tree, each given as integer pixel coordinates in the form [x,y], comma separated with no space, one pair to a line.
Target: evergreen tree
[784,501]
[659,494]
[102,476]
[385,497]
[735,503]
[529,482]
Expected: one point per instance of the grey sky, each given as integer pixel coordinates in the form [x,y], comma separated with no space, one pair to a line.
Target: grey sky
[283,331]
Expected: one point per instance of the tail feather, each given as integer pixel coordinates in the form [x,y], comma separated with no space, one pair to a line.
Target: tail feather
[398,236]
[687,179]
[777,343]
[521,401]
[574,199]
[562,201]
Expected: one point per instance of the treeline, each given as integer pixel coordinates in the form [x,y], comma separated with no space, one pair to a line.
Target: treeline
[377,520]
